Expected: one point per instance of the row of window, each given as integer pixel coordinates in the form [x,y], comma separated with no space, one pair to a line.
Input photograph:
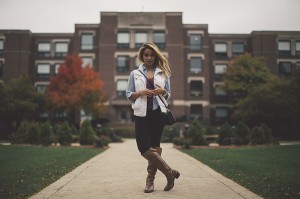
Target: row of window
[158,37]
[288,47]
[124,39]
[61,49]
[286,67]
[225,50]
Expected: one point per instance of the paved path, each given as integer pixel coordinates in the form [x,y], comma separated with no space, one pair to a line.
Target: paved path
[120,173]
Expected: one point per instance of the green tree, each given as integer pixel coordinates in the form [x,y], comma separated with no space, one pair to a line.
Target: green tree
[245,73]
[20,101]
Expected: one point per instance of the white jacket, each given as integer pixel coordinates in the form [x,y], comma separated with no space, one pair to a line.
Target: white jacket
[139,106]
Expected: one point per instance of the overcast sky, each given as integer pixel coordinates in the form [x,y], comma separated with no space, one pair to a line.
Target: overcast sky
[222,16]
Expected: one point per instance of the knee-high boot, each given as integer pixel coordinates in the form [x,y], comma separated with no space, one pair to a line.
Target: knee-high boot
[151,173]
[152,156]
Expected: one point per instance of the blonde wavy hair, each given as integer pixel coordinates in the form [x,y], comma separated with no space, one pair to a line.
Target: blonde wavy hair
[160,60]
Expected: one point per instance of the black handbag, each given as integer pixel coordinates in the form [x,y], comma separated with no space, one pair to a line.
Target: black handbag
[169,118]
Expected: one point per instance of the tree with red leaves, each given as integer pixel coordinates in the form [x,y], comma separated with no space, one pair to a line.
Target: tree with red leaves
[76,88]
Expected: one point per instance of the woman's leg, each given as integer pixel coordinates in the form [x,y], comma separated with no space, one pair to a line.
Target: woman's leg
[155,136]
[157,127]
[142,132]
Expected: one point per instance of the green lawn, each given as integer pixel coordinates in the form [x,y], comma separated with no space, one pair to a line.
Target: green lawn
[25,170]
[271,172]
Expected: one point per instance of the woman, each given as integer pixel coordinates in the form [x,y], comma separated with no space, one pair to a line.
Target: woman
[152,79]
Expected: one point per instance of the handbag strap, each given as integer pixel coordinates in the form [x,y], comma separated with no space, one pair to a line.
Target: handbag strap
[157,95]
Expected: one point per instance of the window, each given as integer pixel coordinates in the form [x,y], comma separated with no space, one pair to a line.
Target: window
[56,68]
[220,70]
[195,42]
[285,68]
[123,40]
[61,49]
[122,64]
[220,92]
[87,61]
[87,40]
[159,39]
[44,49]
[298,66]
[140,39]
[196,111]
[284,47]
[137,62]
[238,48]
[196,88]
[196,64]
[1,69]
[1,46]
[43,71]
[221,113]
[41,88]
[121,88]
[220,50]
[297,48]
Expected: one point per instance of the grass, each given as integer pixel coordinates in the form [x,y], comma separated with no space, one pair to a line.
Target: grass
[25,170]
[271,172]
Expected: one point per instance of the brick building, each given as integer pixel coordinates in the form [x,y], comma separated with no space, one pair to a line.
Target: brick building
[198,59]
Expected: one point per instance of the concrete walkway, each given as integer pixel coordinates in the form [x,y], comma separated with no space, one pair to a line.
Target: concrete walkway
[120,173]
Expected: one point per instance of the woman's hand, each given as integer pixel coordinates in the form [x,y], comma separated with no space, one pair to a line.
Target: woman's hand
[159,90]
[147,92]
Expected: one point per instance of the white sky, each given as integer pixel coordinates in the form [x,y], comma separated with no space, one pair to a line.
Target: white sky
[222,16]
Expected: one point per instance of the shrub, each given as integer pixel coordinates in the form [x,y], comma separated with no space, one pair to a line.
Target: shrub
[211,130]
[64,134]
[21,135]
[102,141]
[261,135]
[112,135]
[241,134]
[196,133]
[184,142]
[170,133]
[87,134]
[46,134]
[225,135]
[34,133]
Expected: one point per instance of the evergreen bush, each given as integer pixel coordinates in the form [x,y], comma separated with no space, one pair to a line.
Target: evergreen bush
[21,136]
[196,133]
[170,133]
[64,134]
[87,134]
[46,134]
[102,141]
[34,133]
[241,134]
[225,135]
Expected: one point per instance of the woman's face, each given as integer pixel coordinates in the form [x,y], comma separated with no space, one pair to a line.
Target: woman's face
[149,57]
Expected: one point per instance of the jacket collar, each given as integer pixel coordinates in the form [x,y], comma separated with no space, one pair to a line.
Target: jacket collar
[143,69]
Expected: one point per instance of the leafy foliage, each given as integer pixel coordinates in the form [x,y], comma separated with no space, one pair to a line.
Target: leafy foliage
[196,133]
[76,88]
[20,101]
[241,134]
[64,134]
[246,73]
[225,136]
[87,134]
